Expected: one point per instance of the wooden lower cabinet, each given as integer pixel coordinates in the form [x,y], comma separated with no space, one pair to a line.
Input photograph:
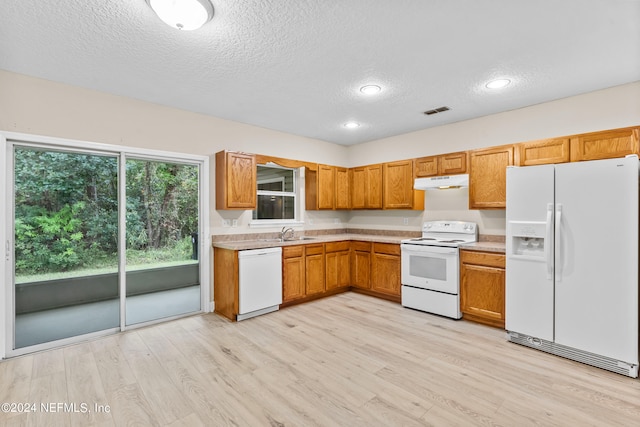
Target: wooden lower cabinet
[293,273]
[314,262]
[337,265]
[482,287]
[385,269]
[361,265]
[225,282]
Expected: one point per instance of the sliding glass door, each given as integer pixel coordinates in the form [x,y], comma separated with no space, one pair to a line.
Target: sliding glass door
[162,260]
[102,241]
[66,244]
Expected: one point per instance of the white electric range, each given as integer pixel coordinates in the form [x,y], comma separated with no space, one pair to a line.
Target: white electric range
[430,272]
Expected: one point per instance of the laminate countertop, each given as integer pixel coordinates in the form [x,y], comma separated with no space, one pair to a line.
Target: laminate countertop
[241,245]
[499,247]
[259,243]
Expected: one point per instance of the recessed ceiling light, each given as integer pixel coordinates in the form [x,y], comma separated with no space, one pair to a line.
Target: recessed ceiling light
[352,125]
[499,83]
[183,14]
[370,89]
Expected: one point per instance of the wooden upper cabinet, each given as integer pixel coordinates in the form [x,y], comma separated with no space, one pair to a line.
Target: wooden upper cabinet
[398,186]
[452,163]
[605,145]
[342,194]
[444,164]
[374,186]
[358,188]
[544,152]
[235,180]
[366,187]
[426,166]
[488,177]
[326,187]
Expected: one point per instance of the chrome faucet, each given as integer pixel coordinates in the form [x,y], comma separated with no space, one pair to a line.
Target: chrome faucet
[283,233]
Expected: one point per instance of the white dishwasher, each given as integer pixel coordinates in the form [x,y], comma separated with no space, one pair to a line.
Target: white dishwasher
[260,282]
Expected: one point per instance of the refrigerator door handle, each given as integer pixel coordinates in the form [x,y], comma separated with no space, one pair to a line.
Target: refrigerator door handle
[558,247]
[548,251]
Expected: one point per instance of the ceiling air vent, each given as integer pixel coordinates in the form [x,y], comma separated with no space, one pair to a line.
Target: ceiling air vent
[436,111]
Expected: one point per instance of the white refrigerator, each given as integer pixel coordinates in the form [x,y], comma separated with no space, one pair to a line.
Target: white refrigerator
[572,261]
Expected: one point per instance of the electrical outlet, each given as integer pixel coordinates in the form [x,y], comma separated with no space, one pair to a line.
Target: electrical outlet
[225,223]
[405,221]
[234,223]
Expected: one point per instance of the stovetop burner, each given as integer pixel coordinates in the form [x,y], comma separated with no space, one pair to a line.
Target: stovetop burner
[445,233]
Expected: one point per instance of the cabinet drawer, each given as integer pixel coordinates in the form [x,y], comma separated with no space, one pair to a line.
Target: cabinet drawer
[483,258]
[314,249]
[361,246]
[336,246]
[386,248]
[292,251]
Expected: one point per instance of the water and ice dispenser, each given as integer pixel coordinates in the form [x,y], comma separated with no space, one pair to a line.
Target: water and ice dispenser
[528,239]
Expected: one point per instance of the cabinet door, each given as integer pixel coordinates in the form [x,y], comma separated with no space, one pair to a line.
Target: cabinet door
[361,269]
[373,181]
[342,195]
[326,187]
[398,185]
[235,180]
[337,269]
[314,263]
[482,294]
[385,273]
[293,273]
[544,152]
[293,278]
[426,166]
[488,177]
[358,188]
[452,163]
[605,145]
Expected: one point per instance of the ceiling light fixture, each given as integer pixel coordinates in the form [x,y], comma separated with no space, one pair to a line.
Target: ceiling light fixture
[183,14]
[370,89]
[498,84]
[352,125]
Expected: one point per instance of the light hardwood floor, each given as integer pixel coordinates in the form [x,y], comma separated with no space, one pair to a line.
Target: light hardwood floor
[347,360]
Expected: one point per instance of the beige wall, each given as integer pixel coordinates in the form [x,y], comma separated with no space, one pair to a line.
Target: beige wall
[611,108]
[604,109]
[36,106]
[42,107]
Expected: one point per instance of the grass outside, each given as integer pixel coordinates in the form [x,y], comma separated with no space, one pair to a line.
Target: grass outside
[136,260]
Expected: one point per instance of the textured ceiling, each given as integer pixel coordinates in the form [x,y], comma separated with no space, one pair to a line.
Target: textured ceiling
[296,66]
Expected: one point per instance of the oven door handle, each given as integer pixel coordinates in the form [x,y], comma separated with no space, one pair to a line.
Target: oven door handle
[435,250]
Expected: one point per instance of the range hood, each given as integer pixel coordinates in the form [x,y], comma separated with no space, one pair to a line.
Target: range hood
[442,182]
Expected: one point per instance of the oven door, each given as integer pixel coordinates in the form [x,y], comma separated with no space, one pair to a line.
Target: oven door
[430,267]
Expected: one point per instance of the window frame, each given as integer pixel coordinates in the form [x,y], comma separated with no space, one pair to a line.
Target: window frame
[297,194]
